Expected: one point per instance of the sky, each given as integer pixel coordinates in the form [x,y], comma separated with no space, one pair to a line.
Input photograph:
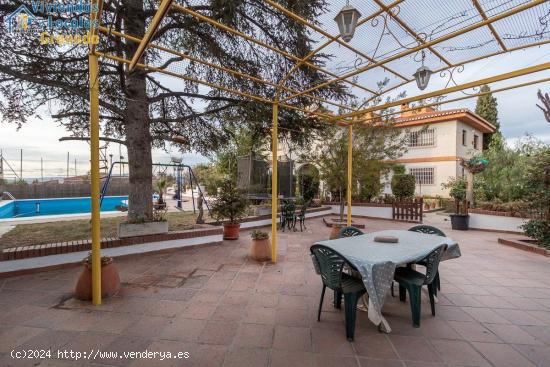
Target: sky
[518,116]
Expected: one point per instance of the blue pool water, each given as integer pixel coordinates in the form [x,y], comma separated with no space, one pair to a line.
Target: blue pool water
[40,207]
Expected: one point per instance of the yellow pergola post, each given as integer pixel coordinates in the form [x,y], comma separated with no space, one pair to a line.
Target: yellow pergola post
[94,157]
[350,171]
[274,181]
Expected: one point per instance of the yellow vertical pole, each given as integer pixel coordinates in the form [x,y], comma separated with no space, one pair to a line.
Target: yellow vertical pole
[94,156]
[350,168]
[274,181]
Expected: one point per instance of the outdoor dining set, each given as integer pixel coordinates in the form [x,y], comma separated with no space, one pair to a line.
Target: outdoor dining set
[358,264]
[290,216]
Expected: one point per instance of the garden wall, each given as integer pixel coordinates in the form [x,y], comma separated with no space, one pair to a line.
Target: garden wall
[495,221]
[370,210]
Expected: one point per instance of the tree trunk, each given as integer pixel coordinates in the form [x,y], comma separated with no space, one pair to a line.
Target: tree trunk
[136,121]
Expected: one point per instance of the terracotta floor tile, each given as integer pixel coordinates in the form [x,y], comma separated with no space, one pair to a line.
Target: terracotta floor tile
[286,358]
[414,349]
[375,346]
[539,355]
[327,342]
[13,337]
[458,353]
[486,315]
[474,331]
[218,332]
[323,360]
[292,338]
[183,329]
[254,335]
[502,355]
[247,357]
[518,317]
[512,334]
[260,315]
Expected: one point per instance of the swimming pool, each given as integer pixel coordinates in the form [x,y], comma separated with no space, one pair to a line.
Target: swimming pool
[40,207]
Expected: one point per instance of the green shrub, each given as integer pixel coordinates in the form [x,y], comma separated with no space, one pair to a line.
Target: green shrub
[230,203]
[539,230]
[403,186]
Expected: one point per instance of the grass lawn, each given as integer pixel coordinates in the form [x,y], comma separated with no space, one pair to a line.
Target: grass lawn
[71,230]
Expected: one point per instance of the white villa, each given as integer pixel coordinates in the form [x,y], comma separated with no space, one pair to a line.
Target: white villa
[438,140]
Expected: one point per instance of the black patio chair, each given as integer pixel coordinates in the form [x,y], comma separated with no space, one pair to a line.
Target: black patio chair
[412,281]
[288,215]
[350,232]
[301,217]
[331,266]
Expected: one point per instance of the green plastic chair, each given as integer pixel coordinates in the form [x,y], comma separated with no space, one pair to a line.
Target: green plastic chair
[412,281]
[435,231]
[331,265]
[350,232]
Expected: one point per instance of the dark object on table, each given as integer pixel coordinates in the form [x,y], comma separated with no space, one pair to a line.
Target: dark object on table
[350,232]
[331,265]
[386,239]
[412,281]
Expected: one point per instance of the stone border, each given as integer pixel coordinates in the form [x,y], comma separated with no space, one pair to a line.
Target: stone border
[493,212]
[358,203]
[517,242]
[24,252]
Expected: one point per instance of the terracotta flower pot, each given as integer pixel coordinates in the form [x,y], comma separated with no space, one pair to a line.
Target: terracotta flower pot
[110,282]
[335,232]
[260,250]
[231,231]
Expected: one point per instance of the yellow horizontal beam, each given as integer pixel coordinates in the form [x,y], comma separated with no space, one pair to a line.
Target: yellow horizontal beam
[226,28]
[331,40]
[409,30]
[469,61]
[457,88]
[490,26]
[446,37]
[336,39]
[211,85]
[218,67]
[469,96]
[163,9]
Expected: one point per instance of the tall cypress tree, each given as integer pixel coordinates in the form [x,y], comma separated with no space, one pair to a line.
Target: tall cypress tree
[487,107]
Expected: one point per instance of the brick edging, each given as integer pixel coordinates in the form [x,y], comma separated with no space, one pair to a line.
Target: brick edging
[517,243]
[354,203]
[24,252]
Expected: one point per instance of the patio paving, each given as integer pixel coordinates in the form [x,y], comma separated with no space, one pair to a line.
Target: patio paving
[225,310]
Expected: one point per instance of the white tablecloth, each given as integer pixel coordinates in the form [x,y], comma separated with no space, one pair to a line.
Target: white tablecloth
[376,261]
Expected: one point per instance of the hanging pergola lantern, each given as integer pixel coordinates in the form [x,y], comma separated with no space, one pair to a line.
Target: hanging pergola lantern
[422,77]
[347,21]
[423,74]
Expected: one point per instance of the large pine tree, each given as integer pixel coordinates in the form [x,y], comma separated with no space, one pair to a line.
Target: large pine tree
[487,107]
[141,107]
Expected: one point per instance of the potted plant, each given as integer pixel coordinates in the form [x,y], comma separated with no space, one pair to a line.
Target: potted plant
[460,219]
[230,204]
[110,280]
[260,249]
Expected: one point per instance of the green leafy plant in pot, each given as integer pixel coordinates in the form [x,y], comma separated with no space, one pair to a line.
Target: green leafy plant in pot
[230,205]
[460,220]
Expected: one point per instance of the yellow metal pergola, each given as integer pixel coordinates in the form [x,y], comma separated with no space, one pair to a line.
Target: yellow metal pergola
[406,36]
